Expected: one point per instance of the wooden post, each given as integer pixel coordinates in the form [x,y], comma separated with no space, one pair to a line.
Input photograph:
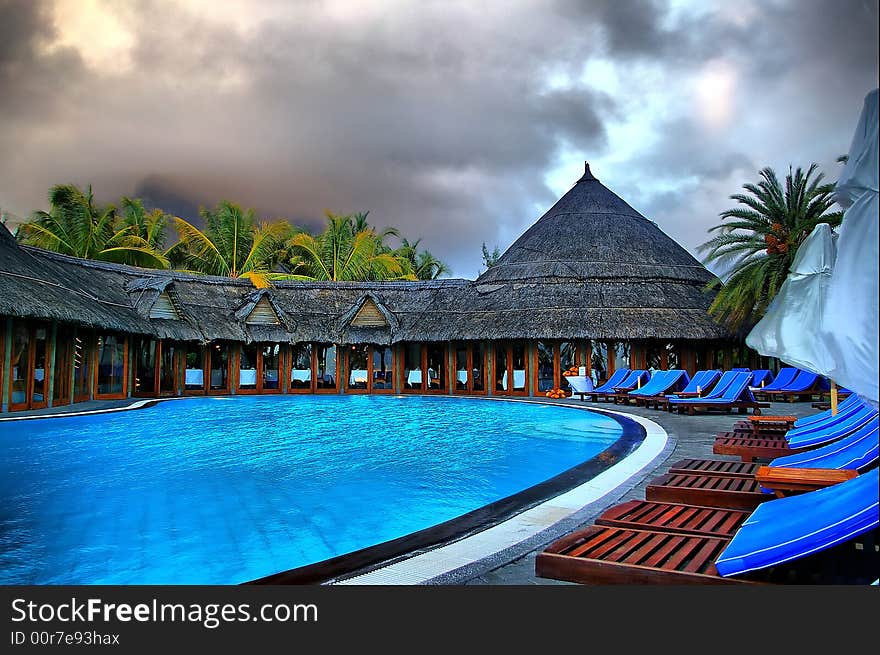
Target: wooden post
[7,365]
[833,398]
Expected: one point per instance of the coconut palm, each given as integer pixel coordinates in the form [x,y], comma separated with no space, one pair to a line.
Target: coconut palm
[760,240]
[149,225]
[348,249]
[232,244]
[424,265]
[76,225]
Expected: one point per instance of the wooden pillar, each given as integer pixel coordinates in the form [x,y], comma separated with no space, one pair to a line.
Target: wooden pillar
[490,368]
[532,360]
[50,365]
[7,366]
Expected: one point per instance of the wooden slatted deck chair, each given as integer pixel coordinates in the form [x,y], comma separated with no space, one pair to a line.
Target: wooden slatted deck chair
[729,484]
[785,376]
[632,381]
[735,395]
[674,517]
[660,384]
[616,378]
[803,387]
[702,384]
[823,537]
[796,440]
[782,424]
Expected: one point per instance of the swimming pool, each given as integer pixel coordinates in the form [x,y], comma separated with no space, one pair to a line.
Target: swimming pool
[228,490]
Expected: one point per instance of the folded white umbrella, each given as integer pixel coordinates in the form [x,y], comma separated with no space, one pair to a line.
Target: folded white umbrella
[849,326]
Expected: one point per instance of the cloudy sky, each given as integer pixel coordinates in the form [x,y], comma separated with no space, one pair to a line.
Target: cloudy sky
[458,122]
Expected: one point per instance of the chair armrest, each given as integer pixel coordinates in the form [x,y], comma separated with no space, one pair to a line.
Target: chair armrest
[783,480]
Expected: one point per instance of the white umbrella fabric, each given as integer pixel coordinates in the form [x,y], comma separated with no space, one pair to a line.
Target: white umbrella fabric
[849,326]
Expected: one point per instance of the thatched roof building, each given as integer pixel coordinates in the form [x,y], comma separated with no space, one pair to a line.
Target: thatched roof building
[591,268]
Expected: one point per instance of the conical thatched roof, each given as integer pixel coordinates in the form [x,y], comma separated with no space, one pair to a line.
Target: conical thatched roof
[591,234]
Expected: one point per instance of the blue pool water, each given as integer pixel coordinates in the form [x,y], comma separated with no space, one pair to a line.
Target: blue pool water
[226,490]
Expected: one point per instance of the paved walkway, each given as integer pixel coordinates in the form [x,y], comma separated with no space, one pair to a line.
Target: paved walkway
[689,436]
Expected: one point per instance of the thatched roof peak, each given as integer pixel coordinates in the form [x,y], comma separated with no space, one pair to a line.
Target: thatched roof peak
[588,174]
[592,234]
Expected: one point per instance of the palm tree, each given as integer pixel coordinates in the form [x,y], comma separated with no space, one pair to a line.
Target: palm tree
[151,226]
[232,244]
[75,225]
[424,265]
[347,250]
[760,242]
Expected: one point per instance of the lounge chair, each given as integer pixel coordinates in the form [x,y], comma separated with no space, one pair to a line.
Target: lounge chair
[761,378]
[803,386]
[616,378]
[751,448]
[817,537]
[580,385]
[661,383]
[731,392]
[741,370]
[634,380]
[858,451]
[701,384]
[786,423]
[785,376]
[704,482]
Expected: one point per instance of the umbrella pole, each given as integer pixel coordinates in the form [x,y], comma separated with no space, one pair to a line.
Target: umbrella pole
[833,398]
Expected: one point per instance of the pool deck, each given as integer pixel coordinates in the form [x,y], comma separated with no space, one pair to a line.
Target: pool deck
[689,436]
[504,558]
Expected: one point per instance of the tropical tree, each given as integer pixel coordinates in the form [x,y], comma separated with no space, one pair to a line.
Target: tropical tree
[149,225]
[490,258]
[76,225]
[758,241]
[349,249]
[423,264]
[232,244]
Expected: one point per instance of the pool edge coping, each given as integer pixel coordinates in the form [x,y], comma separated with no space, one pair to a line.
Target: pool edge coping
[464,558]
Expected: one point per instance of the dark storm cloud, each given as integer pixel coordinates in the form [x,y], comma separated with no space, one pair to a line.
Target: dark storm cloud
[436,117]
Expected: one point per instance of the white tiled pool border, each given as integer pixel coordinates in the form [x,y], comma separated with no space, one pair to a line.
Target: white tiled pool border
[423,567]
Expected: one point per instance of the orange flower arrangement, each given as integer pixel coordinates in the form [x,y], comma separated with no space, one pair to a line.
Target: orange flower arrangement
[571,370]
[556,394]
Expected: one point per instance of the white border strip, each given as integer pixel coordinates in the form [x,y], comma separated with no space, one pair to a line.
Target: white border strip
[420,568]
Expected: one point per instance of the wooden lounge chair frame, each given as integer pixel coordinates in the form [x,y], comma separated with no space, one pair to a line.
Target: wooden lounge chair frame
[750,448]
[613,555]
[738,492]
[675,518]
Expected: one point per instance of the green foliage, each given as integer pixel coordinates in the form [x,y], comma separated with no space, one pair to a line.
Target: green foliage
[232,244]
[761,238]
[490,258]
[75,225]
[348,249]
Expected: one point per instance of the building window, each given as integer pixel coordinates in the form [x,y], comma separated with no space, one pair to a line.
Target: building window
[326,367]
[110,360]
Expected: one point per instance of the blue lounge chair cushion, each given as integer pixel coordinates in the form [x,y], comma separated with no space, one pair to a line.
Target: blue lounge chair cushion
[760,376]
[790,528]
[615,380]
[842,429]
[821,416]
[732,387]
[856,451]
[784,377]
[661,382]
